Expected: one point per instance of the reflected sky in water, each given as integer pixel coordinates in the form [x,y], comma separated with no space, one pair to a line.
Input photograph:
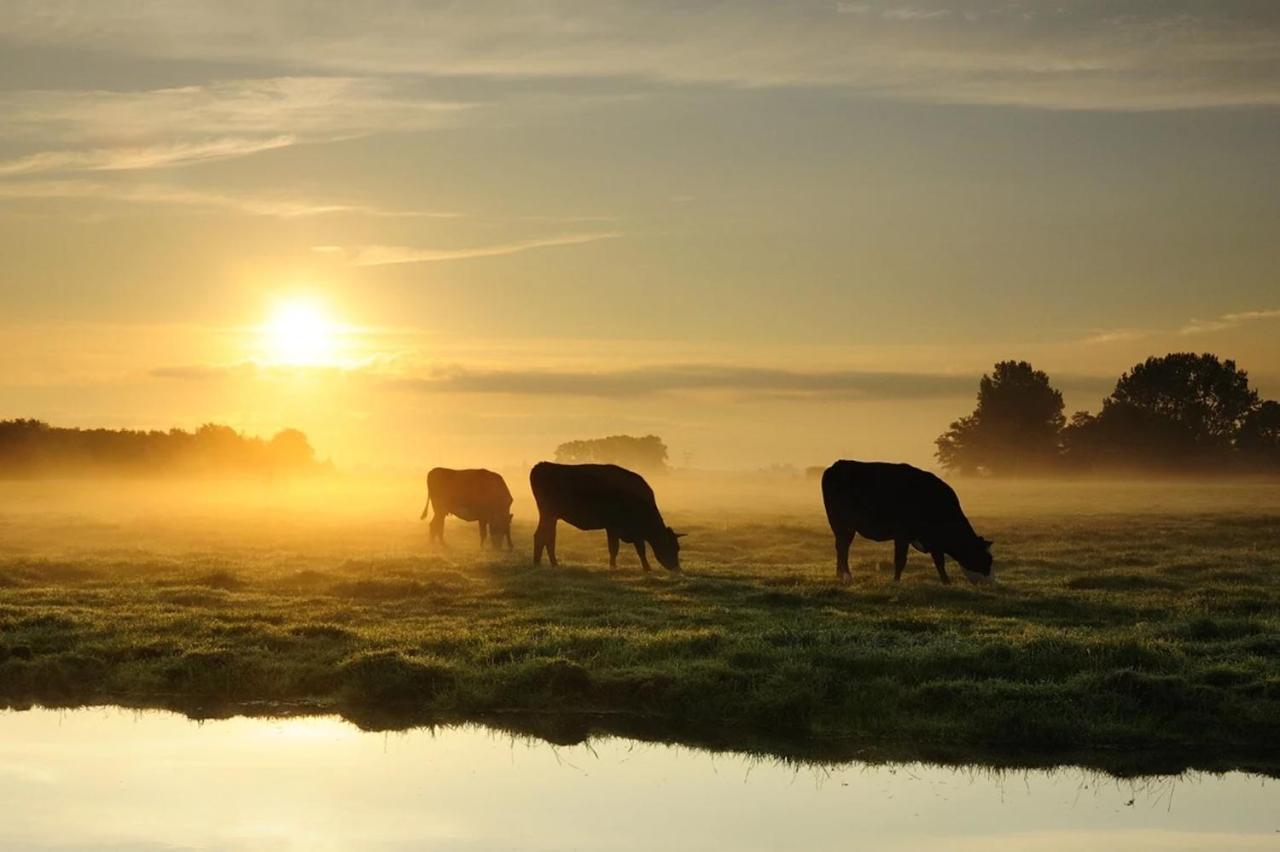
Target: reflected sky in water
[109,778]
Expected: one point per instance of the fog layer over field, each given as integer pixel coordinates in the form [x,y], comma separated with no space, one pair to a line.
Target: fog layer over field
[381,511]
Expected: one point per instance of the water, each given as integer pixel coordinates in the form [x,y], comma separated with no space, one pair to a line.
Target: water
[109,778]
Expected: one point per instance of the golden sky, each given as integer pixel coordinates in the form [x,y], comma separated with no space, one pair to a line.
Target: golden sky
[443,233]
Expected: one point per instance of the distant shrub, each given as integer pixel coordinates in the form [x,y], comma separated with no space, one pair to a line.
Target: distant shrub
[645,454]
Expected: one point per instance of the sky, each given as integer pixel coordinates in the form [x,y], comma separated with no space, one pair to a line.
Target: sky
[462,233]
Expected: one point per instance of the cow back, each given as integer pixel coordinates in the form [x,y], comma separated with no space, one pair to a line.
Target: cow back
[883,501]
[594,496]
[471,494]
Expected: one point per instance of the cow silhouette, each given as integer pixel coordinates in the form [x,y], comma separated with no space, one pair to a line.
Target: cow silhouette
[601,497]
[472,495]
[905,505]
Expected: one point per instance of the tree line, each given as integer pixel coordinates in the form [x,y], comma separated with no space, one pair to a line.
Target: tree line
[1179,413]
[34,448]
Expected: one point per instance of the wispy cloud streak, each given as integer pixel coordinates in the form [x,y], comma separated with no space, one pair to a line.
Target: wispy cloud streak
[651,380]
[91,130]
[692,377]
[284,208]
[1223,322]
[1091,54]
[147,157]
[1227,321]
[376,255]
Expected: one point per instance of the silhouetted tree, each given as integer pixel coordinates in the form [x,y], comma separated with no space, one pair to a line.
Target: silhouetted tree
[1259,437]
[289,448]
[1014,429]
[1180,411]
[646,454]
[1207,397]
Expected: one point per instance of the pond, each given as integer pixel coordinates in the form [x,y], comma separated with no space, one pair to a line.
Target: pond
[112,778]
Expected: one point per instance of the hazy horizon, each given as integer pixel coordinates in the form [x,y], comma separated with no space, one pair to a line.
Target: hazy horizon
[463,234]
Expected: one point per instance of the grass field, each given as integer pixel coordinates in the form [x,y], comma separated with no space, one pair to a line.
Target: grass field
[1135,617]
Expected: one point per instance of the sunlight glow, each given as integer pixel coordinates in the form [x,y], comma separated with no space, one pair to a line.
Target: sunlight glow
[301,334]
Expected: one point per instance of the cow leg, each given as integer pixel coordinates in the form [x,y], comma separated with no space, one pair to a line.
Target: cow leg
[509,544]
[484,533]
[613,548]
[644,562]
[900,546]
[551,545]
[843,540]
[546,529]
[436,527]
[939,559]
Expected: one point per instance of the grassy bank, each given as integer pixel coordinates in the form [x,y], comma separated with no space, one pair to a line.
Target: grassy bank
[1125,630]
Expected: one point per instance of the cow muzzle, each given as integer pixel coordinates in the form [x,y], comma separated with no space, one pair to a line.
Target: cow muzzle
[981,579]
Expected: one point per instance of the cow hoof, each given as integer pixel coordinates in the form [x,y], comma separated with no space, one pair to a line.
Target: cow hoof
[844,579]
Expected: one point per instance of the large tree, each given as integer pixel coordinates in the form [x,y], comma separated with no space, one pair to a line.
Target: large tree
[1207,397]
[1015,427]
[1177,411]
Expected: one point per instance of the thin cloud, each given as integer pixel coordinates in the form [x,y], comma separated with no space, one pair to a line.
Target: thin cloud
[303,107]
[1115,335]
[652,380]
[1123,55]
[1227,321]
[147,157]
[199,372]
[1193,326]
[638,381]
[643,381]
[248,370]
[376,255]
[161,194]
[158,128]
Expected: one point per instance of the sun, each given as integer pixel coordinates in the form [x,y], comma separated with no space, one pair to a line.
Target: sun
[300,333]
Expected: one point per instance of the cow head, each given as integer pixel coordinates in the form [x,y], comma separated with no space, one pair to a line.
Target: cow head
[976,560]
[500,529]
[666,546]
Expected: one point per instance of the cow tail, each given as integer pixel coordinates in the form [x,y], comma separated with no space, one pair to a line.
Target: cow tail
[427,507]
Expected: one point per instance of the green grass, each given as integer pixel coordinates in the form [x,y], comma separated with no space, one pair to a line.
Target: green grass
[1124,631]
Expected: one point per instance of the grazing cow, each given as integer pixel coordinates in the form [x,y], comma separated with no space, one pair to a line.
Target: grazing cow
[601,496]
[912,507]
[473,495]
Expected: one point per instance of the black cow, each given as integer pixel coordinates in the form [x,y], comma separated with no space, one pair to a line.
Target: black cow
[912,507]
[601,496]
[473,495]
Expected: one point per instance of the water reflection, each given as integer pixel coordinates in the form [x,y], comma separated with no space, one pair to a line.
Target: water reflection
[95,778]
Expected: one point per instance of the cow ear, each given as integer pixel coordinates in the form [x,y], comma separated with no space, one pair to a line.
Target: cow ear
[678,535]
